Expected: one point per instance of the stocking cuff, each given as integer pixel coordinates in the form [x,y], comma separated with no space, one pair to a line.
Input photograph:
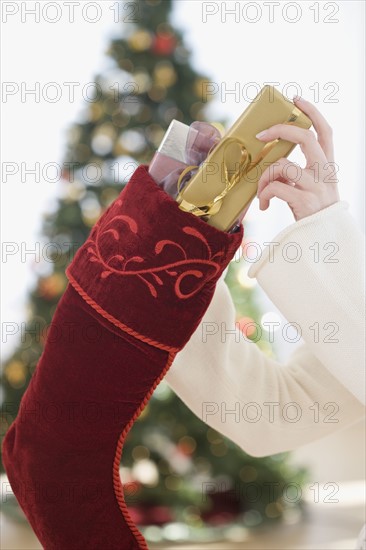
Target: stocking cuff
[149,267]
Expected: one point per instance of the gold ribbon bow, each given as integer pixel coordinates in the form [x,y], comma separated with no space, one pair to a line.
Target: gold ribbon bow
[245,165]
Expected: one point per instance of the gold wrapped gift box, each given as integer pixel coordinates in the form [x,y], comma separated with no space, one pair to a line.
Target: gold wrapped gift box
[227,181]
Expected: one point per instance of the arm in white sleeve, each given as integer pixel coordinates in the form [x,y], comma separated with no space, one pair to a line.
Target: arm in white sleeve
[261,405]
[323,290]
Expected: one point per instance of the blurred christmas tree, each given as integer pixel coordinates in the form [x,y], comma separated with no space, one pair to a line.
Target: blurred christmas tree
[169,454]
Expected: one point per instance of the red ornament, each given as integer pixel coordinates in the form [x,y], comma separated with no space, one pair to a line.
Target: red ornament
[226,507]
[186,448]
[247,326]
[147,514]
[65,174]
[164,43]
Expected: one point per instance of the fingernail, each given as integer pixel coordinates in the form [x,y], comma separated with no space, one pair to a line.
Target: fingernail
[297,98]
[261,134]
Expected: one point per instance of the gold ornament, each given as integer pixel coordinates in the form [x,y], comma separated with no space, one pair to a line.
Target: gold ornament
[143,81]
[203,89]
[16,373]
[74,191]
[52,286]
[95,111]
[108,195]
[196,110]
[248,473]
[157,93]
[140,41]
[155,134]
[164,74]
[144,115]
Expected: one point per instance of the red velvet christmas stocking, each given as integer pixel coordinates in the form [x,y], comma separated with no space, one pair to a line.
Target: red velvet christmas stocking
[138,288]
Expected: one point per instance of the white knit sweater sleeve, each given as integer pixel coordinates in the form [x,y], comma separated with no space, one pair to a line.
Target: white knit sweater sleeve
[323,290]
[261,405]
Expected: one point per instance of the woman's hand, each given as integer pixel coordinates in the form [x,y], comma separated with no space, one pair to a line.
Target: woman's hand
[306,190]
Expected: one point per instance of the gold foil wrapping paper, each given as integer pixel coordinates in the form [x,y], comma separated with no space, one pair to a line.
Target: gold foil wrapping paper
[227,181]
